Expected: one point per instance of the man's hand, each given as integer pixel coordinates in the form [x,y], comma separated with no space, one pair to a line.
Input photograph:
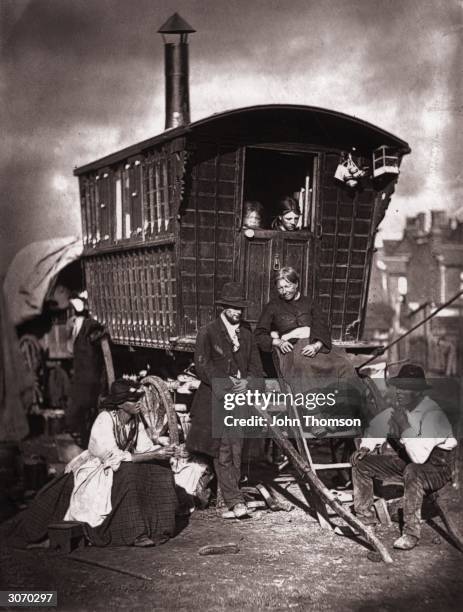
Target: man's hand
[398,422]
[239,384]
[359,455]
[310,350]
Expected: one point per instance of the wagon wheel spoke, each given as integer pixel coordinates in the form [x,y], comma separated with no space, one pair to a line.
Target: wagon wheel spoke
[159,410]
[30,350]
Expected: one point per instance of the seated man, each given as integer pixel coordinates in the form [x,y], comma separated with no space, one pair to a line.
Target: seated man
[421,457]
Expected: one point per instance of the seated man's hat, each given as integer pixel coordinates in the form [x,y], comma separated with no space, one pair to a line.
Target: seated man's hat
[232,296]
[410,377]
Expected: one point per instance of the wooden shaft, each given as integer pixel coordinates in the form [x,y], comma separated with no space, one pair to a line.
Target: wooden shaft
[317,485]
[331,466]
[108,360]
[119,570]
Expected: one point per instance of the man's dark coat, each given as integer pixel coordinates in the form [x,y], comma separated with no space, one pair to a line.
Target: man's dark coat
[214,361]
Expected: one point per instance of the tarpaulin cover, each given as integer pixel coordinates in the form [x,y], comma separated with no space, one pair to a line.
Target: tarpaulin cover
[27,282]
[32,271]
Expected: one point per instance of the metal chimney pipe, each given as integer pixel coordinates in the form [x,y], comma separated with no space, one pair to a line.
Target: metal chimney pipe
[175,34]
[177,84]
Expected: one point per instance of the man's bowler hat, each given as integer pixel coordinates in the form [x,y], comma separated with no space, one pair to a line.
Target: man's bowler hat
[410,377]
[232,296]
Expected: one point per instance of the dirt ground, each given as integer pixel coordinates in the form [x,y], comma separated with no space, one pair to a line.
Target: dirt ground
[286,561]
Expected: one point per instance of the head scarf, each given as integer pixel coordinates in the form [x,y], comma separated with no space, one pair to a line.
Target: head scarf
[122,390]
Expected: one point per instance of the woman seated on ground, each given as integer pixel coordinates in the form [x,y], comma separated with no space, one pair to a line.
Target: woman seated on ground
[116,487]
[288,216]
[294,326]
[253,214]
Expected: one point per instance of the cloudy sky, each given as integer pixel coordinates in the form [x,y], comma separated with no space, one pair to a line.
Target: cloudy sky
[82,78]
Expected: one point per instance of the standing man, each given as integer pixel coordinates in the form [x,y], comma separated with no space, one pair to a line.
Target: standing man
[422,438]
[227,360]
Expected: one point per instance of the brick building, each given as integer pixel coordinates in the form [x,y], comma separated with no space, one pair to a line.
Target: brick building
[416,274]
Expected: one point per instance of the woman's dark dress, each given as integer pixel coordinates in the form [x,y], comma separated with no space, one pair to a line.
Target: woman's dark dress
[139,499]
[143,502]
[329,370]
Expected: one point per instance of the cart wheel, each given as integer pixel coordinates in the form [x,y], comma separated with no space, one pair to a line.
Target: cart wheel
[159,410]
[30,349]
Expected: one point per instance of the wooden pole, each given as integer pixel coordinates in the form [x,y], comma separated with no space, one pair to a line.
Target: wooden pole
[113,568]
[317,485]
[108,360]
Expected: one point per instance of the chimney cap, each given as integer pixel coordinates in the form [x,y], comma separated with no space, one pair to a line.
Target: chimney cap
[176,25]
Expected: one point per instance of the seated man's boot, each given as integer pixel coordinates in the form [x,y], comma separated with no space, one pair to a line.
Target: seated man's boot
[406,542]
[240,510]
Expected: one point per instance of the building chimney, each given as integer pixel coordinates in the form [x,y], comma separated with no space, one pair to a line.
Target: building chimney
[421,223]
[416,225]
[175,35]
[439,220]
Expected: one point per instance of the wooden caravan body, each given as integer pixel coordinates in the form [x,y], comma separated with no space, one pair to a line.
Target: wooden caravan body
[162,220]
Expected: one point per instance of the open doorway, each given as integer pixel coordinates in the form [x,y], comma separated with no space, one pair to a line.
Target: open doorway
[272,175]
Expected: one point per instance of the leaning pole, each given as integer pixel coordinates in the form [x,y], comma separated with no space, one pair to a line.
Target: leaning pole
[317,485]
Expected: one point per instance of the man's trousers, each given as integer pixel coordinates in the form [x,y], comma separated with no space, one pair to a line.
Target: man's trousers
[418,479]
[228,469]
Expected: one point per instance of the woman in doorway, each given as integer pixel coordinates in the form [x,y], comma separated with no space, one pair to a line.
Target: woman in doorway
[288,216]
[116,488]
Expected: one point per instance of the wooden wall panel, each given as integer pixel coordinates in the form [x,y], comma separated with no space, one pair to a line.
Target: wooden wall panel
[257,256]
[206,232]
[344,251]
[134,293]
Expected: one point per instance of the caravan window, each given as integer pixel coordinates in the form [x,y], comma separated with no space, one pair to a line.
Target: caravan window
[272,176]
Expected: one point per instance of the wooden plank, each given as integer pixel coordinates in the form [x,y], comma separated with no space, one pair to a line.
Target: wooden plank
[136,193]
[136,297]
[112,262]
[108,361]
[160,326]
[165,192]
[331,466]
